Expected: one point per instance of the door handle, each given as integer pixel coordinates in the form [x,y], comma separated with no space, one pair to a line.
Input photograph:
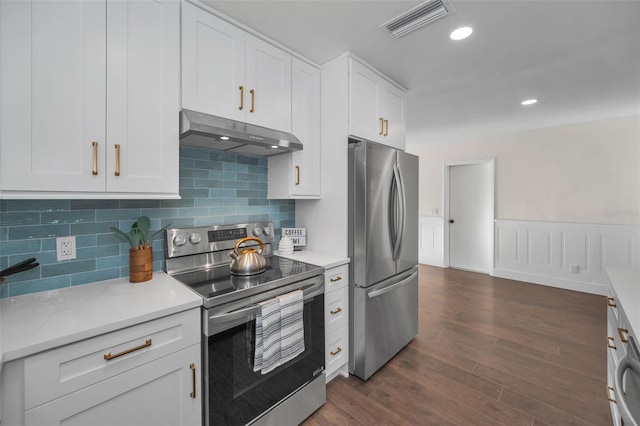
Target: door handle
[451,221]
[384,290]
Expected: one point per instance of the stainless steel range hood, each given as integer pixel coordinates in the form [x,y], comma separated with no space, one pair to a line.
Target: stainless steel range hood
[222,134]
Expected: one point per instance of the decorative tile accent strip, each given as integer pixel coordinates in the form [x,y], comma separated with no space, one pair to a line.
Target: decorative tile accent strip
[216,188]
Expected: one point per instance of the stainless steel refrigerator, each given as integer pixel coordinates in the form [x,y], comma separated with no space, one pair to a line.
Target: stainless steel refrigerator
[383,247]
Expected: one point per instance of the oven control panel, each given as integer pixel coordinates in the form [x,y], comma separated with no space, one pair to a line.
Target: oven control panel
[205,239]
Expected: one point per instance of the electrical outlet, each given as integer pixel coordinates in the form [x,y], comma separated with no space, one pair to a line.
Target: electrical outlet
[66,248]
[573,268]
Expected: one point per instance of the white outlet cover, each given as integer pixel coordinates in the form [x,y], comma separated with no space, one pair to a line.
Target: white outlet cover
[66,248]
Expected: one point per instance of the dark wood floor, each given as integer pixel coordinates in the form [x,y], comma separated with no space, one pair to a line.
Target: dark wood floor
[489,351]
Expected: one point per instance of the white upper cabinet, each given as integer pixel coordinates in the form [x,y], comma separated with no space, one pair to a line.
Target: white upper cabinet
[72,73]
[230,73]
[376,109]
[297,174]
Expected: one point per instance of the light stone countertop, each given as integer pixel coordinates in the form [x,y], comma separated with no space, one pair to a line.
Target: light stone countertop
[626,285]
[40,321]
[317,258]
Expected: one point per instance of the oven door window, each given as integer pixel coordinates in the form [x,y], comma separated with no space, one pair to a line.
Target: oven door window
[237,394]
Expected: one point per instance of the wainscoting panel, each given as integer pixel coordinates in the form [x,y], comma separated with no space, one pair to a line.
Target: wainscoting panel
[431,241]
[566,255]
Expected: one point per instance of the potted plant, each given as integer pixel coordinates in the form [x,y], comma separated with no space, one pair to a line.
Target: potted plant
[140,252]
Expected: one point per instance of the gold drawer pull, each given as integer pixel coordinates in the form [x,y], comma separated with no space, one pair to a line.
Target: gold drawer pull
[241,88]
[253,100]
[386,127]
[621,333]
[610,344]
[335,280]
[95,158]
[609,397]
[381,126]
[297,175]
[193,375]
[337,351]
[109,357]
[337,311]
[611,302]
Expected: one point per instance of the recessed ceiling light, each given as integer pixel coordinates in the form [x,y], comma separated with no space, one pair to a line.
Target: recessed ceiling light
[529,102]
[224,138]
[461,33]
[274,147]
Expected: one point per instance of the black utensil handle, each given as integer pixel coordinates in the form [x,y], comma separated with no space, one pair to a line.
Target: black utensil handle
[19,267]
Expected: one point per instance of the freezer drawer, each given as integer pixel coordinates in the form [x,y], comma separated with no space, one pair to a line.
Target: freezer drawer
[385,319]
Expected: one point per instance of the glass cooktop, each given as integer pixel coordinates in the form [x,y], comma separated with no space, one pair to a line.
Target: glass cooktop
[217,285]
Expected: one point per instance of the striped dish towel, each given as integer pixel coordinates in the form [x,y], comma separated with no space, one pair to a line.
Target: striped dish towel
[292,325]
[267,351]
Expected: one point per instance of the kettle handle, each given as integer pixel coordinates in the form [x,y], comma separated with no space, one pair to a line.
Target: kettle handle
[243,240]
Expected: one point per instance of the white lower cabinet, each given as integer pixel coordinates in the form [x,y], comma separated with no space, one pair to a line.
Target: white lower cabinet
[336,320]
[146,374]
[156,393]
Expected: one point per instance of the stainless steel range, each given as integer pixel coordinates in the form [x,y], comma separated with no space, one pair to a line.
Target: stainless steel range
[235,394]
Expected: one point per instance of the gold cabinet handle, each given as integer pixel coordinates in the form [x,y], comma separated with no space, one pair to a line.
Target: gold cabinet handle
[381,126]
[337,311]
[297,175]
[609,397]
[611,302]
[621,333]
[610,342]
[336,279]
[95,158]
[386,127]
[109,357]
[193,376]
[336,352]
[117,172]
[241,88]
[253,100]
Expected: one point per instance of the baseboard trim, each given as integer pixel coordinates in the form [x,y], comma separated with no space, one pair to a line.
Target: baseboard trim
[585,287]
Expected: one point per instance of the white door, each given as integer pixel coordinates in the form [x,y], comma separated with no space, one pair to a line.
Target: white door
[364,120]
[52,108]
[471,217]
[392,112]
[212,64]
[305,125]
[143,96]
[268,78]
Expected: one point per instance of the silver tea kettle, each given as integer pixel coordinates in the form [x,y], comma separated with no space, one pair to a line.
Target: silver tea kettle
[248,261]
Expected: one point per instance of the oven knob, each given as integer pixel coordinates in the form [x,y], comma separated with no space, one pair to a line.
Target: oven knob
[179,240]
[266,230]
[257,232]
[195,238]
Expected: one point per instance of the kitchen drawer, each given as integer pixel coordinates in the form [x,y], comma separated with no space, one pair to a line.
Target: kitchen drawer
[615,345]
[336,278]
[336,306]
[336,349]
[57,372]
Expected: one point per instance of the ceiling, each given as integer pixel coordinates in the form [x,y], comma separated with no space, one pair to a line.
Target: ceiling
[581,59]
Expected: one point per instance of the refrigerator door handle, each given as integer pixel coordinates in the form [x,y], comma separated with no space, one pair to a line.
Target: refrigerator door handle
[387,289]
[403,211]
[393,214]
[397,202]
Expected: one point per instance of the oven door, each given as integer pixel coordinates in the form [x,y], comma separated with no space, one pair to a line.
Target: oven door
[235,394]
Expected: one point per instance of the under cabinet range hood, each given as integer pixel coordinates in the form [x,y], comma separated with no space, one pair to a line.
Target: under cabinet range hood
[211,132]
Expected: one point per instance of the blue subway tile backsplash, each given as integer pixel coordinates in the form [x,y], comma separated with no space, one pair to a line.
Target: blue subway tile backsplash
[216,188]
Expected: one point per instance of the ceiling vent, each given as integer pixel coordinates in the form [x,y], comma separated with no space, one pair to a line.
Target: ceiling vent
[421,15]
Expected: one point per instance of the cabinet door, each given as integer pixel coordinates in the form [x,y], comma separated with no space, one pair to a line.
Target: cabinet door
[143,99]
[166,391]
[364,118]
[52,108]
[213,64]
[268,75]
[305,125]
[392,110]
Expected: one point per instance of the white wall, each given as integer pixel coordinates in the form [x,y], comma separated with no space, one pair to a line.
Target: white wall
[579,173]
